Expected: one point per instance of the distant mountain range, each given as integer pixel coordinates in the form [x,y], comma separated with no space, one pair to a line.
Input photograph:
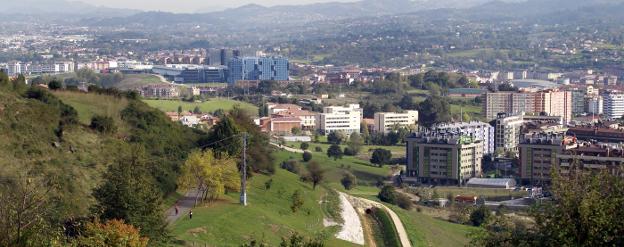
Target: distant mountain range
[299,14]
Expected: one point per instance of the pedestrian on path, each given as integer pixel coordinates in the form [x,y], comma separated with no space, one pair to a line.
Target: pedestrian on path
[191,214]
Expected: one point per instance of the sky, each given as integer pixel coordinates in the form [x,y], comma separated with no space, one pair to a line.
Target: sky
[190,6]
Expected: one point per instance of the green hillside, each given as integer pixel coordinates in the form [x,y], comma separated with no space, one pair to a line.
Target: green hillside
[207,106]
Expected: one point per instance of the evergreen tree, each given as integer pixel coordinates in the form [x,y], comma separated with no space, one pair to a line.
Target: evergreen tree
[130,194]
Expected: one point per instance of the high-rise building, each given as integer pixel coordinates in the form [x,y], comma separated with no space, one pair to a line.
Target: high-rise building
[578,100]
[386,121]
[479,130]
[258,68]
[443,159]
[595,105]
[224,57]
[613,104]
[551,102]
[340,119]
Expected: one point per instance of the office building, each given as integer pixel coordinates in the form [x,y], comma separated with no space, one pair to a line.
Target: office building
[224,57]
[613,104]
[188,73]
[551,102]
[258,68]
[481,131]
[443,158]
[387,121]
[340,119]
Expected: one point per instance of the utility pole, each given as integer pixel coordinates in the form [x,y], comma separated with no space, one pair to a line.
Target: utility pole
[243,195]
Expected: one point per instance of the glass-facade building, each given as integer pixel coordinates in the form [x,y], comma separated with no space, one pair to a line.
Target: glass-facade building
[258,68]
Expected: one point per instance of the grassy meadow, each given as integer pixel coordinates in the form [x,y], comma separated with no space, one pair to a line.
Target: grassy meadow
[207,106]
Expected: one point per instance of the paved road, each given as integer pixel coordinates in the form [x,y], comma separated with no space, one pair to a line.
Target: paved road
[185,204]
[289,149]
[361,202]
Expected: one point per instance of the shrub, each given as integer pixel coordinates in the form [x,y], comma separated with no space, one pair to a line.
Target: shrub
[349,181]
[318,149]
[335,138]
[296,201]
[304,146]
[291,166]
[349,152]
[403,201]
[381,157]
[307,156]
[103,124]
[387,194]
[55,85]
[335,152]
[480,215]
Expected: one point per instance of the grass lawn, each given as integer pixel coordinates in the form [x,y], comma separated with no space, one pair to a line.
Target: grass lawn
[134,81]
[207,106]
[87,105]
[268,216]
[365,154]
[465,191]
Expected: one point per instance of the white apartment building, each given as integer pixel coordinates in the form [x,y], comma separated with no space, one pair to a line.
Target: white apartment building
[386,121]
[337,118]
[479,130]
[613,105]
[507,133]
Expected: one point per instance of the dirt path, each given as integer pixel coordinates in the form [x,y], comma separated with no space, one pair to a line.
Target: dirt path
[289,149]
[185,204]
[352,227]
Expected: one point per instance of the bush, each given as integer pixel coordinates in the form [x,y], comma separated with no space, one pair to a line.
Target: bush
[349,152]
[335,152]
[296,201]
[479,216]
[349,181]
[403,201]
[381,157]
[304,146]
[55,85]
[103,124]
[318,149]
[291,166]
[387,194]
[307,156]
[335,138]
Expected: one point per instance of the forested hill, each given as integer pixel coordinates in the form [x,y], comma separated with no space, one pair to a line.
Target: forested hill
[55,153]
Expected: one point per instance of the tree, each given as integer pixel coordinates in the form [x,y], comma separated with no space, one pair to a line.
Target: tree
[403,201]
[349,181]
[434,110]
[24,209]
[112,233]
[407,103]
[585,211]
[296,201]
[196,110]
[129,193]
[315,173]
[355,143]
[55,85]
[387,194]
[466,117]
[103,124]
[295,131]
[334,151]
[211,176]
[307,156]
[335,137]
[381,157]
[480,215]
[224,138]
[180,110]
[304,146]
[268,183]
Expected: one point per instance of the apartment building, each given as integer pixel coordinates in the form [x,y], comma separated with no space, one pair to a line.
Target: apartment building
[613,104]
[337,118]
[507,132]
[551,101]
[387,121]
[443,159]
[538,155]
[160,91]
[480,130]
